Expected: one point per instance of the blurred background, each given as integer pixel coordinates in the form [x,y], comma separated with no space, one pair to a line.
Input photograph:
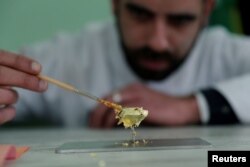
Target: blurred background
[23,22]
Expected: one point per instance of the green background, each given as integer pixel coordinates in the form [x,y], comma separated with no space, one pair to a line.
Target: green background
[23,22]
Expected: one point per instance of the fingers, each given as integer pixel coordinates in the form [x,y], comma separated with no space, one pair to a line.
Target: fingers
[19,62]
[131,92]
[109,120]
[11,77]
[8,96]
[7,114]
[97,115]
[102,117]
[20,71]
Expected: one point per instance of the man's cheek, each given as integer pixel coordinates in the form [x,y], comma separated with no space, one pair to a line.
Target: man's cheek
[134,39]
[183,48]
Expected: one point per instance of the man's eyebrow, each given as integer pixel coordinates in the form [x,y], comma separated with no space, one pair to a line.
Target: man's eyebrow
[137,8]
[182,16]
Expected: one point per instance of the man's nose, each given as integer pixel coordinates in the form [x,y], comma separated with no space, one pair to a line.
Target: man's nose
[158,38]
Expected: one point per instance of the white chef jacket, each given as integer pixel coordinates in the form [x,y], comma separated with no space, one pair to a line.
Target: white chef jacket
[92,60]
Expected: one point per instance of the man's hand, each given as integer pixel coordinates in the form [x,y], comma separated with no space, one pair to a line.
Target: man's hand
[16,71]
[163,109]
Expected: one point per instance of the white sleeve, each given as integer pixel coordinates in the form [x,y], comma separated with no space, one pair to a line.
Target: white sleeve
[234,85]
[203,108]
[237,91]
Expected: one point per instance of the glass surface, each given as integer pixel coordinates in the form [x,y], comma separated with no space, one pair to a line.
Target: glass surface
[143,145]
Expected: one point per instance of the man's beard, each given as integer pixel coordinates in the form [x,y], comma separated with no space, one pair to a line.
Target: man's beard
[173,61]
[133,57]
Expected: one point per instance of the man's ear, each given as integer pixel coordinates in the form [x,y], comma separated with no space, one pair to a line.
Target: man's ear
[209,6]
[115,6]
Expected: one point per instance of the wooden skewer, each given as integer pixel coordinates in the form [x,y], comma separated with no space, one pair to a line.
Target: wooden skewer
[71,88]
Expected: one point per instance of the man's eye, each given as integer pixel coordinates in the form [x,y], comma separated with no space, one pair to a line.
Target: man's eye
[180,21]
[141,16]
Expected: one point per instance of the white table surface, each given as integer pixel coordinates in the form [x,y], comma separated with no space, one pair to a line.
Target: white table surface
[44,141]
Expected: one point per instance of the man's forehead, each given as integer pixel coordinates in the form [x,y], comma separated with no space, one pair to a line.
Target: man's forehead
[167,6]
